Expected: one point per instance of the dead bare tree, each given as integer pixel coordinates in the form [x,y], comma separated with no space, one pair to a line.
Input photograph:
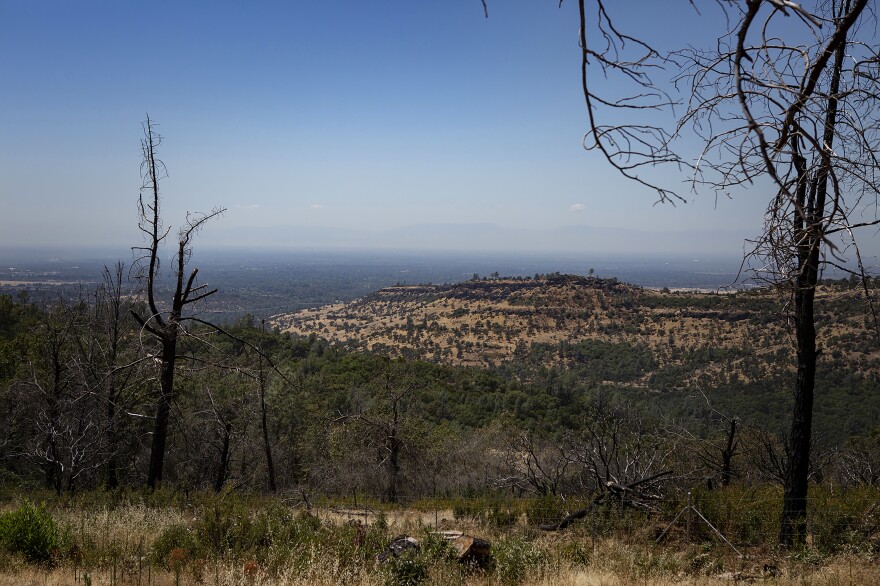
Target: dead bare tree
[789,105]
[768,457]
[620,459]
[616,450]
[62,373]
[50,377]
[715,452]
[264,419]
[380,411]
[860,461]
[534,464]
[164,324]
[225,420]
[106,364]
[112,307]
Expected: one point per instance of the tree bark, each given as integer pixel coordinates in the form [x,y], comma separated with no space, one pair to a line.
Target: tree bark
[164,330]
[727,455]
[223,465]
[794,506]
[392,464]
[267,446]
[809,228]
[163,414]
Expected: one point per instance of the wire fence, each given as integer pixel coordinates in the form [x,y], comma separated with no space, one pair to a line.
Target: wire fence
[340,538]
[735,519]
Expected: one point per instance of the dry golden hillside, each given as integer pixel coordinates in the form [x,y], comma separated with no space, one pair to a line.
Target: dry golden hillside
[489,322]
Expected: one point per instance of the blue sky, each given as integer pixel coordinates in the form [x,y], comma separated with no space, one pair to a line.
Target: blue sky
[350,119]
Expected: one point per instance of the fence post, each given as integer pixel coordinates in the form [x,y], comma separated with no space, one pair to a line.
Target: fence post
[688,519]
[593,527]
[811,521]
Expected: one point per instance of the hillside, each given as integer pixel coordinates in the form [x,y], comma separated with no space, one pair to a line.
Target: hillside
[664,339]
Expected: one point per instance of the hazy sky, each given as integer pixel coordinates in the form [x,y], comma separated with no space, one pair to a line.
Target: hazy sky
[350,119]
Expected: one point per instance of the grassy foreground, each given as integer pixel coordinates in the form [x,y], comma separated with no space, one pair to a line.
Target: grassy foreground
[173,538]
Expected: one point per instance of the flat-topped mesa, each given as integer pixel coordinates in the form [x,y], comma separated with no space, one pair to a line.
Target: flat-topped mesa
[405,293]
[570,321]
[494,289]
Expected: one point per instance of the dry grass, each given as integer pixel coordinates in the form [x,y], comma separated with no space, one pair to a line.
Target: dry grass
[842,571]
[120,540]
[481,324]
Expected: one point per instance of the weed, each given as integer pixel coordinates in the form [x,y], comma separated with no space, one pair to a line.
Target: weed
[409,569]
[174,538]
[31,531]
[546,509]
[515,558]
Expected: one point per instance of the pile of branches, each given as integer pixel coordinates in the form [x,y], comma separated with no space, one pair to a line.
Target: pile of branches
[643,495]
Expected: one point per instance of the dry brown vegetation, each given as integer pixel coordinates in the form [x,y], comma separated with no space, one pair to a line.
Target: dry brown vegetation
[845,570]
[489,322]
[119,545]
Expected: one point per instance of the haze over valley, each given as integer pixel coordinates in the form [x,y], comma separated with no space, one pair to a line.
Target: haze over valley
[270,281]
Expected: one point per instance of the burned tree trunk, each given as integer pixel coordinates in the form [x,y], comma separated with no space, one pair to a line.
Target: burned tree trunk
[796,107]
[727,454]
[392,462]
[164,326]
[163,413]
[264,422]
[223,464]
[810,231]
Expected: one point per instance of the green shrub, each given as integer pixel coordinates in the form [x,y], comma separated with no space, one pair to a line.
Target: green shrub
[435,548]
[31,531]
[575,553]
[499,516]
[409,569]
[546,509]
[843,522]
[745,516]
[467,508]
[228,527]
[494,512]
[514,559]
[173,537]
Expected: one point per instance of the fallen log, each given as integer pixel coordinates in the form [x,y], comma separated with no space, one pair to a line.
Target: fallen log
[572,517]
[468,549]
[472,549]
[628,494]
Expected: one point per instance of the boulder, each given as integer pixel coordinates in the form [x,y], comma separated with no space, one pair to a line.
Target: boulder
[398,546]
